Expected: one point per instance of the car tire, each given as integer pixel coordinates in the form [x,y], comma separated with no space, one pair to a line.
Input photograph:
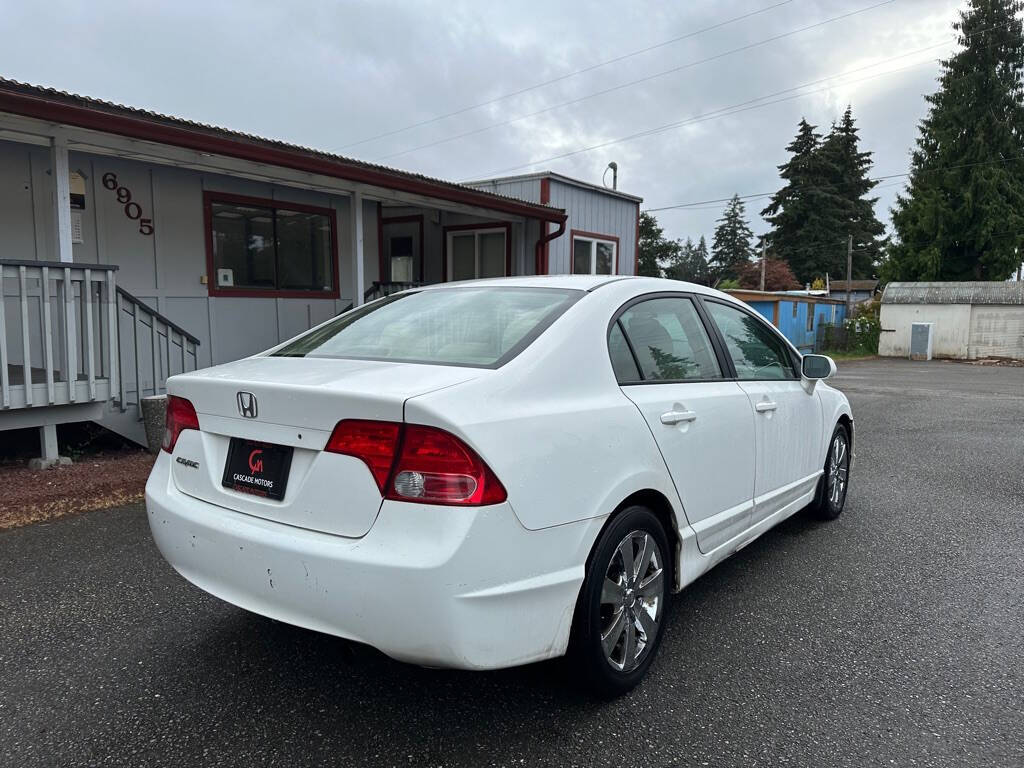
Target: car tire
[835,481]
[621,612]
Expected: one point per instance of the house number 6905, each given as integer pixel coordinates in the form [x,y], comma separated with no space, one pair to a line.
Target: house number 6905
[124,196]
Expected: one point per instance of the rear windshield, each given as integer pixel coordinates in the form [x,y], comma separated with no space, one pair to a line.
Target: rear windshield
[479,327]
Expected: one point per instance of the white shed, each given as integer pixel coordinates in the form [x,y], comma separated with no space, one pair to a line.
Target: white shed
[970,320]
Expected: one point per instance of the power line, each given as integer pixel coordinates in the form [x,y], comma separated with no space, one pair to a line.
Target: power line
[733,109]
[740,107]
[567,76]
[939,169]
[717,205]
[631,83]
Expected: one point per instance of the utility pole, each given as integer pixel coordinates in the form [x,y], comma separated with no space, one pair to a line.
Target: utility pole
[762,263]
[849,274]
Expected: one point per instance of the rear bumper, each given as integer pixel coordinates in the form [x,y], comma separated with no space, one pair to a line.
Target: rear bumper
[448,587]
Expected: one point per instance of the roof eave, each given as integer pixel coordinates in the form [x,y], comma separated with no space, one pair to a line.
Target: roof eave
[109,121]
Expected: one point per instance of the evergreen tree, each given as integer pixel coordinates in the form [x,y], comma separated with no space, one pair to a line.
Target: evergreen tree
[850,184]
[962,217]
[731,248]
[656,251]
[690,263]
[806,215]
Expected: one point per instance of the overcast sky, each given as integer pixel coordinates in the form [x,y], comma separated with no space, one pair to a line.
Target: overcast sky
[328,75]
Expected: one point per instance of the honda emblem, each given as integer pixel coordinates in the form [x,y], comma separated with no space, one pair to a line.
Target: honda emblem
[246,405]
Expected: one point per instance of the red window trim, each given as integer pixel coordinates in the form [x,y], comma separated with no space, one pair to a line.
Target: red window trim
[574,233]
[383,221]
[636,247]
[469,227]
[210,197]
[545,198]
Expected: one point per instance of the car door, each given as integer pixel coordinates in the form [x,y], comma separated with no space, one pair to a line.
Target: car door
[667,364]
[788,419]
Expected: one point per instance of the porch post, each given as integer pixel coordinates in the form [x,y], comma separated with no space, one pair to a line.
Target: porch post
[62,197]
[357,248]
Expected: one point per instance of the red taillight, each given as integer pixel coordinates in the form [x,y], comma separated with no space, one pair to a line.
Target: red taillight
[181,415]
[372,441]
[432,466]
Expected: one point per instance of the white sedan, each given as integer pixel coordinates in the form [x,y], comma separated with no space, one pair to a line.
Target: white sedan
[485,474]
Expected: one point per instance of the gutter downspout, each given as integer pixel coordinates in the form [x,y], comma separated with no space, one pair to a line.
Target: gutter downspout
[540,263]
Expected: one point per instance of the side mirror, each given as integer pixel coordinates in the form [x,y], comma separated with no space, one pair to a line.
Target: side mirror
[815,367]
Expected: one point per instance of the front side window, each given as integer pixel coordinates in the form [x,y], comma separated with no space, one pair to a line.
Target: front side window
[669,340]
[593,256]
[476,327]
[477,253]
[263,246]
[756,352]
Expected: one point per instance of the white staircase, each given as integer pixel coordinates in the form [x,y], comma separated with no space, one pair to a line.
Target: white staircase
[75,347]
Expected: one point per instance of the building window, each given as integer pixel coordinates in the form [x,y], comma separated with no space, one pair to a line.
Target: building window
[476,253]
[266,246]
[594,254]
[795,307]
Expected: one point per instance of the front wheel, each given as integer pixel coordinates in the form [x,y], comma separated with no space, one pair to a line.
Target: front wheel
[834,483]
[622,605]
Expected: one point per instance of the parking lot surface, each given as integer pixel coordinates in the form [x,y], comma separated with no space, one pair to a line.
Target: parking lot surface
[893,636]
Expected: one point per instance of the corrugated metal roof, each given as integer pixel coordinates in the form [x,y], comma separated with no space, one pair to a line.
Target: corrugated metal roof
[480,183]
[954,293]
[64,97]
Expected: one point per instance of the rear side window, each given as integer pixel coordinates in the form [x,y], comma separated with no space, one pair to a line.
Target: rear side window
[756,352]
[481,327]
[622,359]
[669,340]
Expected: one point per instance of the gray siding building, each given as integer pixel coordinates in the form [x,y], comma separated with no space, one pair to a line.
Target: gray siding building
[603,224]
[135,245]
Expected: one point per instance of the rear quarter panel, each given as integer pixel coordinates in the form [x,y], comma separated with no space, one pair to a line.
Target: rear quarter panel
[554,425]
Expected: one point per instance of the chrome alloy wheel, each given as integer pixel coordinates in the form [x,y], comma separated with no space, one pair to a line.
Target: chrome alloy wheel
[631,600]
[838,470]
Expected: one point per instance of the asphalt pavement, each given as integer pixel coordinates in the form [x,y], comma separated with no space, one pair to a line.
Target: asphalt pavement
[892,636]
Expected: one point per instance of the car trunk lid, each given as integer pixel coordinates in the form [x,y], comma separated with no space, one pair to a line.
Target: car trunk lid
[293,403]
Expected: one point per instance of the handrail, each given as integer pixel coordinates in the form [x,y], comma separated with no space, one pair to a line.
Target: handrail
[146,363]
[58,264]
[162,318]
[381,288]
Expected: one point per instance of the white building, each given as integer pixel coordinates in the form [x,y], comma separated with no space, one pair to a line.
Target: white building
[970,320]
[135,245]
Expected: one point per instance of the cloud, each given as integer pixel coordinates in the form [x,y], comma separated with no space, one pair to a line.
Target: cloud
[328,75]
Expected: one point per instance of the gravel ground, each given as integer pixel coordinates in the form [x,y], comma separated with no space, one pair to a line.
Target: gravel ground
[893,636]
[92,482]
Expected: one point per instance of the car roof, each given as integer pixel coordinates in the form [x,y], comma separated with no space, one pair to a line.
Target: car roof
[577,282]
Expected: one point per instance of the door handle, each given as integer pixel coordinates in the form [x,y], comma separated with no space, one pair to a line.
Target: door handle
[675,417]
[765,405]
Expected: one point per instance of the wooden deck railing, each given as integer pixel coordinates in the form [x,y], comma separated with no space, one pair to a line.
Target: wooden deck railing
[58,341]
[69,334]
[152,349]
